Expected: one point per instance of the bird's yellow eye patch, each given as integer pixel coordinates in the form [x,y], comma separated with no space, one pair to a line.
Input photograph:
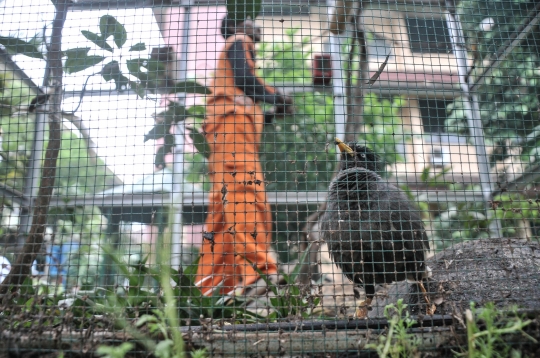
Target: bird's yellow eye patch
[344,148]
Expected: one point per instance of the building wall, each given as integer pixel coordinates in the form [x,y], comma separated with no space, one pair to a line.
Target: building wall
[415,75]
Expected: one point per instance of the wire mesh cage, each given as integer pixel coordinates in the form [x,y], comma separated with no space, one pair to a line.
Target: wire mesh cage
[269,178]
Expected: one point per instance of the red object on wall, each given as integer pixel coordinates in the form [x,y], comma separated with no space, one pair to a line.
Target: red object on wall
[322,69]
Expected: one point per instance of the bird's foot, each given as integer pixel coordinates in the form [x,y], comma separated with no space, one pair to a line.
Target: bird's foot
[430,307]
[362,309]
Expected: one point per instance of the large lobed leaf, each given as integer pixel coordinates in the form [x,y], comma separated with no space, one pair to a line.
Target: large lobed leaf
[109,26]
[17,46]
[97,39]
[189,87]
[78,59]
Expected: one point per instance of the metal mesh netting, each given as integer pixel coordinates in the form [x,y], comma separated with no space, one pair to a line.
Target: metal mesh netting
[269,178]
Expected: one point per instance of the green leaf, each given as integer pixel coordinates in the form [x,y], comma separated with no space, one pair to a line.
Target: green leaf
[78,52]
[199,141]
[138,47]
[155,68]
[189,87]
[160,130]
[108,26]
[115,352]
[17,46]
[174,113]
[111,71]
[98,40]
[159,160]
[197,111]
[137,88]
[164,349]
[122,266]
[239,10]
[134,68]
[146,319]
[191,270]
[78,59]
[296,270]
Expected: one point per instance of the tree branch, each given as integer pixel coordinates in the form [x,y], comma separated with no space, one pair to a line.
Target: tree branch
[355,95]
[21,269]
[92,147]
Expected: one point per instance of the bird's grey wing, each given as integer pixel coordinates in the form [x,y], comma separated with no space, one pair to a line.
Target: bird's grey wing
[409,232]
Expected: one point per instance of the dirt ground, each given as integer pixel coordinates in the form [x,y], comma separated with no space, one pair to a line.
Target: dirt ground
[503,271]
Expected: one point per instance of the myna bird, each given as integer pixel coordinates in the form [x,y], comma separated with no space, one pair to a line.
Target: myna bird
[374,232]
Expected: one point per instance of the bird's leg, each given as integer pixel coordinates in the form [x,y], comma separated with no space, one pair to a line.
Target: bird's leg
[430,308]
[363,308]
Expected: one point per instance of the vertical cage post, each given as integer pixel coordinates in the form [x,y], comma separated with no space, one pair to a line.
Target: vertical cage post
[31,182]
[472,112]
[178,153]
[109,274]
[338,85]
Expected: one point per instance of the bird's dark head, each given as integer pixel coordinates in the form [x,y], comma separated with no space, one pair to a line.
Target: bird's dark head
[354,155]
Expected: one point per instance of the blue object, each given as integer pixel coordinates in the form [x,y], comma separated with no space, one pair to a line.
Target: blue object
[58,259]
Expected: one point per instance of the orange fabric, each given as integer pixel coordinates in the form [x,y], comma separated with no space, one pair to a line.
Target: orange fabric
[239,216]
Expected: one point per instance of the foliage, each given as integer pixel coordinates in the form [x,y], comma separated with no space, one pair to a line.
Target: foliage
[286,61]
[297,155]
[397,342]
[115,352]
[144,75]
[383,128]
[487,329]
[197,170]
[17,130]
[291,301]
[29,48]
[509,98]
[467,221]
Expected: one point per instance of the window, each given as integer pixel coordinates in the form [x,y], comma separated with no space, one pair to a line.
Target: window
[433,112]
[284,10]
[428,35]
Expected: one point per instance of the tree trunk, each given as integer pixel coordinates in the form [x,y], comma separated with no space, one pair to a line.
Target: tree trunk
[21,269]
[355,93]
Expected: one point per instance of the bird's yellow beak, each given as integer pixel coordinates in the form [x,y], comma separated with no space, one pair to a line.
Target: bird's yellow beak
[344,147]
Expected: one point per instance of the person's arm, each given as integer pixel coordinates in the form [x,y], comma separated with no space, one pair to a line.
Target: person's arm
[241,62]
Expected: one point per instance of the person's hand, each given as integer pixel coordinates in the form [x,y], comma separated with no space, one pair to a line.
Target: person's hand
[287,107]
[269,116]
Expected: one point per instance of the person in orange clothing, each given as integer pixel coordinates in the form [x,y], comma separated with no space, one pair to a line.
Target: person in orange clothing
[238,228]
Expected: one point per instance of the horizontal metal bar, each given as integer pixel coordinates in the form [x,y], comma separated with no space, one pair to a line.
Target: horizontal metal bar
[309,325]
[135,4]
[393,88]
[530,176]
[287,88]
[242,344]
[232,343]
[274,198]
[515,39]
[13,195]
